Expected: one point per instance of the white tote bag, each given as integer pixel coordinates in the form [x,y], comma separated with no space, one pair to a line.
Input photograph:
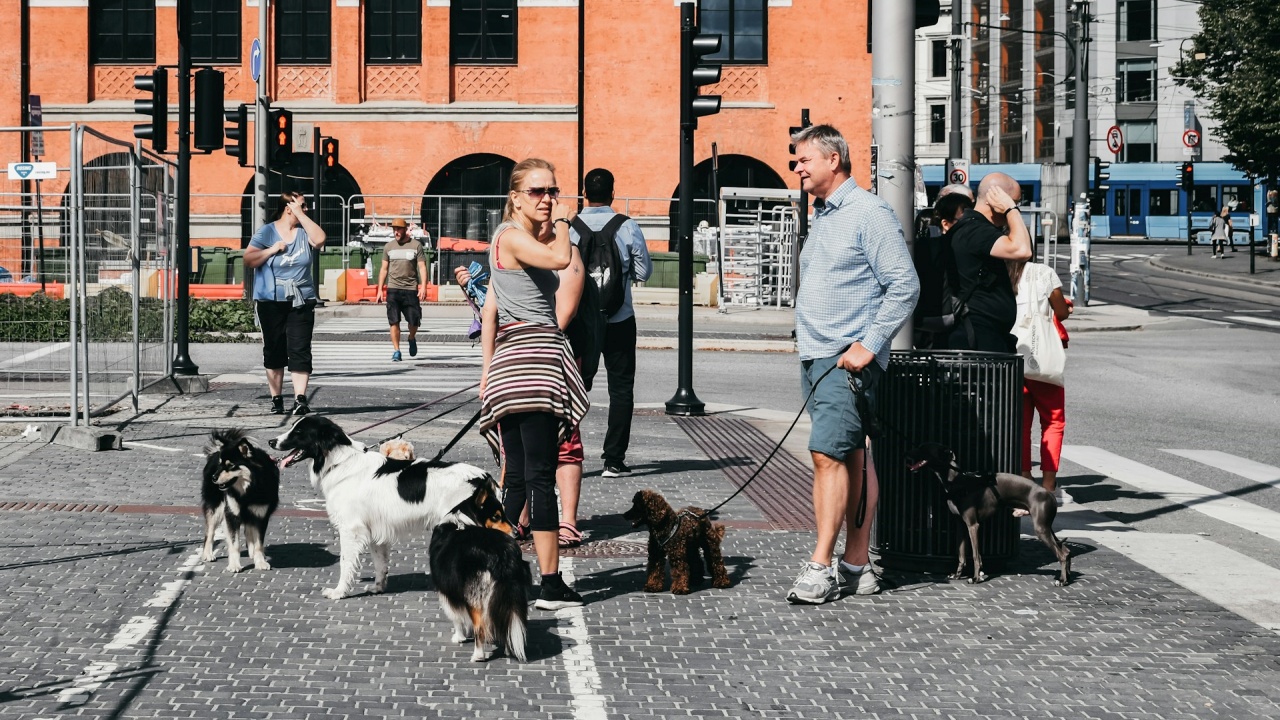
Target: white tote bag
[1043,357]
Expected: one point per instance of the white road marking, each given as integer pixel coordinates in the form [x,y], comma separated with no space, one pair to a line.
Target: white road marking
[89,681]
[34,355]
[579,661]
[1254,320]
[1197,497]
[152,447]
[1234,464]
[133,632]
[1219,574]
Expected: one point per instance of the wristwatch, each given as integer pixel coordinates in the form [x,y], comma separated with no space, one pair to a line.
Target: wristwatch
[563,220]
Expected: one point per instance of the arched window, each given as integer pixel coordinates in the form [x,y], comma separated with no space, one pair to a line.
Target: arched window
[735,171]
[297,176]
[108,204]
[466,198]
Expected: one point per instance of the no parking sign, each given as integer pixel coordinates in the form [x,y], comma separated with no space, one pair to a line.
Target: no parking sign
[1115,139]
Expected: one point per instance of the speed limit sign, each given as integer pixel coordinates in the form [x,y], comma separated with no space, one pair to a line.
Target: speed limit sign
[958,174]
[1115,139]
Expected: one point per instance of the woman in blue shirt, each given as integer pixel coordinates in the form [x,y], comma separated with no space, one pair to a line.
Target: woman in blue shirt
[284,294]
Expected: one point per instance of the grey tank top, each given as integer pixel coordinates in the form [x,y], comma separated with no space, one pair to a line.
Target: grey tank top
[526,294]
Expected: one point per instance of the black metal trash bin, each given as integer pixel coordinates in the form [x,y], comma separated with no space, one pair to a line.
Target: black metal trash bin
[968,401]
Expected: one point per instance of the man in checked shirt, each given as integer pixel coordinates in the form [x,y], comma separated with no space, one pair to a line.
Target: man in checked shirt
[857,287]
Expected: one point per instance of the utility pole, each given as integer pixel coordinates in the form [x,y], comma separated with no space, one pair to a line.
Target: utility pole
[893,90]
[182,362]
[955,139]
[1080,127]
[261,125]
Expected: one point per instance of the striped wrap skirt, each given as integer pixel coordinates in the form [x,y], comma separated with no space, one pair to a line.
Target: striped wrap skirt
[532,370]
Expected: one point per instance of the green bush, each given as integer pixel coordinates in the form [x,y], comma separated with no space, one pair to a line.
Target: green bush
[221,316]
[109,318]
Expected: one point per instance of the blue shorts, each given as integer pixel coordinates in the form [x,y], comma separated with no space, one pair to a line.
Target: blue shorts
[837,428]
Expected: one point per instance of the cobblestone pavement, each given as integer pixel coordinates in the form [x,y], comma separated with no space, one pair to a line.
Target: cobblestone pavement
[108,614]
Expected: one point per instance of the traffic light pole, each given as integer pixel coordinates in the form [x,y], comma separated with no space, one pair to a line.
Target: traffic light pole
[261,121]
[182,362]
[955,139]
[1080,126]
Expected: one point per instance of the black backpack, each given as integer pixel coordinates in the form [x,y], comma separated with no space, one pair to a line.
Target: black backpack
[586,331]
[603,262]
[942,303]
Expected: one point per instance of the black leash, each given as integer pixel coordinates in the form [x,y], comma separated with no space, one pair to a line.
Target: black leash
[457,437]
[410,411]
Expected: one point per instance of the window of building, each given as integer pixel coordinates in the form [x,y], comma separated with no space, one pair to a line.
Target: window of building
[483,31]
[1139,141]
[303,32]
[1136,80]
[742,25]
[393,32]
[1136,21]
[1163,203]
[938,58]
[215,31]
[122,31]
[937,123]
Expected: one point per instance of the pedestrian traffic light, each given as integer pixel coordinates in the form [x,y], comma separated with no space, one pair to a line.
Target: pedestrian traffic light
[1186,175]
[238,134]
[1100,175]
[329,153]
[156,130]
[693,74]
[927,13]
[209,110]
[281,137]
[791,132]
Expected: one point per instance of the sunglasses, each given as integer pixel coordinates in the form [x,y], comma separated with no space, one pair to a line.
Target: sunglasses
[538,192]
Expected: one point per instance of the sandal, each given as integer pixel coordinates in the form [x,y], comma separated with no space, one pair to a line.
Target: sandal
[570,536]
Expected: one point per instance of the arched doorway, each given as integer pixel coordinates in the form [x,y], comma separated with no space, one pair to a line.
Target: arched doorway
[108,205]
[297,176]
[735,171]
[465,199]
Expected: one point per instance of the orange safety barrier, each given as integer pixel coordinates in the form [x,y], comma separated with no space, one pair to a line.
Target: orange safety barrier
[358,288]
[52,289]
[233,291]
[460,245]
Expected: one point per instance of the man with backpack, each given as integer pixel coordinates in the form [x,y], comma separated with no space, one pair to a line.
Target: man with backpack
[615,255]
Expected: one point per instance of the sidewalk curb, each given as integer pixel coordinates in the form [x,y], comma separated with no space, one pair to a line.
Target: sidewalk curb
[1156,263]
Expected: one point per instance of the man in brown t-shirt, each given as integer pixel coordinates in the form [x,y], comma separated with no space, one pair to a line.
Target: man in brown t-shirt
[404,275]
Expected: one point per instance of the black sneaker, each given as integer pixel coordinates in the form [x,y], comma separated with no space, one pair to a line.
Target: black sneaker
[300,406]
[615,469]
[555,594]
[277,404]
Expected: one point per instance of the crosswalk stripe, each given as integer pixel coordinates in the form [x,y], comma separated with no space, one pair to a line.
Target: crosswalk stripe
[1254,320]
[429,326]
[1234,464]
[1196,497]
[438,367]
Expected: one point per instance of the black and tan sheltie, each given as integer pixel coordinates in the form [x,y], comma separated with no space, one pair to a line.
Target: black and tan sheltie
[240,489]
[483,584]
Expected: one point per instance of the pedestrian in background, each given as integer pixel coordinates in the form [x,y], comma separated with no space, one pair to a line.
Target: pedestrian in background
[619,347]
[404,275]
[1040,290]
[981,241]
[284,294]
[1220,232]
[531,394]
[857,288]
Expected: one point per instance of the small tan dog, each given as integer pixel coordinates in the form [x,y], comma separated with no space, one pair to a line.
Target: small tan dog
[397,449]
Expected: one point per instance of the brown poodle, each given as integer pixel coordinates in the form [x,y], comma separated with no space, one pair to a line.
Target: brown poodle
[678,536]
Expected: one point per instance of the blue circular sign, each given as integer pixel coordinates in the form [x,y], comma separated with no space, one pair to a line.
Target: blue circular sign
[255,60]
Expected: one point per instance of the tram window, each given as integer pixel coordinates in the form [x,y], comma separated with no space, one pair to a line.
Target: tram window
[1204,198]
[1122,204]
[1236,197]
[1098,204]
[1163,203]
[1028,194]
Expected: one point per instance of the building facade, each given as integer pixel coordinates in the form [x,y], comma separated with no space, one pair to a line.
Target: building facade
[433,98]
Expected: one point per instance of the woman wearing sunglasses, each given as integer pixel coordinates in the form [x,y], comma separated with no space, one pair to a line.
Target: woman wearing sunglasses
[531,393]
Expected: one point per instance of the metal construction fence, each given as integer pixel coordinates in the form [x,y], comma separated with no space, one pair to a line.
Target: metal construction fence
[87,287]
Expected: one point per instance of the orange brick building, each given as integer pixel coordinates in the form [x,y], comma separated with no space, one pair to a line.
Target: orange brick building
[432,97]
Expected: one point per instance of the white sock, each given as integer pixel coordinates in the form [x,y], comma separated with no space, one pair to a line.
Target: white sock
[854,568]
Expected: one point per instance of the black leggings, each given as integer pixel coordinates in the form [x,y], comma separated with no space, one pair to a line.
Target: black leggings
[530,448]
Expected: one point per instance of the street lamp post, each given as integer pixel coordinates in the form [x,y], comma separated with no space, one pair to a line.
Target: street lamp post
[955,140]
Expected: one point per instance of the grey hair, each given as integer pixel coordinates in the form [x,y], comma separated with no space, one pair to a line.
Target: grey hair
[828,140]
[956,188]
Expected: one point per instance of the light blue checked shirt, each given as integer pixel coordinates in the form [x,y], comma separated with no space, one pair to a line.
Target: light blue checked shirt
[857,281]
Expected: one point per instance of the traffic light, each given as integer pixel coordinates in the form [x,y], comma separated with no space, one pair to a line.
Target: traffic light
[238,134]
[1100,175]
[694,75]
[1186,175]
[281,137]
[791,131]
[208,110]
[329,153]
[927,13]
[156,130]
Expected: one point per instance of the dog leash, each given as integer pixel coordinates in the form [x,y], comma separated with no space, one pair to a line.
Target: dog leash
[410,411]
[457,437]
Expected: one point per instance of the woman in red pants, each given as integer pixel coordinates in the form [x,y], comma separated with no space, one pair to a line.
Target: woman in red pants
[1048,399]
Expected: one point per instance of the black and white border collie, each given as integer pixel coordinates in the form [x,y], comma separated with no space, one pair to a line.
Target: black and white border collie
[483,584]
[374,501]
[240,488]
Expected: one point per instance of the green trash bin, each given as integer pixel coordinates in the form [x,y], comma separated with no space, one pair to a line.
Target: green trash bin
[213,266]
[235,264]
[666,269]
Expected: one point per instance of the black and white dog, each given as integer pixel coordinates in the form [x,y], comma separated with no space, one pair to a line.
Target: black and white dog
[483,583]
[240,488]
[374,501]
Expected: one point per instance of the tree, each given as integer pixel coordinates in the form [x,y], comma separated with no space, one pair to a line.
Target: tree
[1232,65]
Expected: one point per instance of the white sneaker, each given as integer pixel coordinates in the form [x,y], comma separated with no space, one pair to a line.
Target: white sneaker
[863,583]
[1061,497]
[815,585]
